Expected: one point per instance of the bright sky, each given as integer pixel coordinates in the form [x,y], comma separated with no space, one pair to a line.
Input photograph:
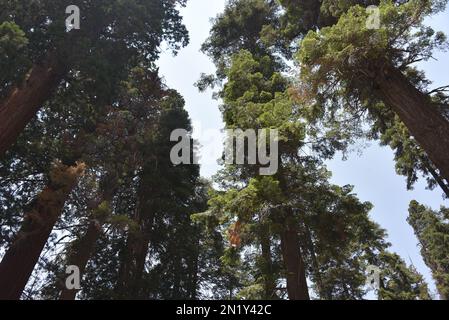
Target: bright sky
[372,173]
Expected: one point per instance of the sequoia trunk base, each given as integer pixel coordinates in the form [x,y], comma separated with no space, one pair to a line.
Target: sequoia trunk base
[294,265]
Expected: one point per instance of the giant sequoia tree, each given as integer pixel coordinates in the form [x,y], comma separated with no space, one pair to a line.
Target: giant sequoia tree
[85,66]
[86,178]
[63,146]
[302,226]
[112,35]
[353,67]
[283,215]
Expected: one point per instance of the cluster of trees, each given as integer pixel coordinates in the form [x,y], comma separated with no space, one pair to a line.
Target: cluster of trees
[86,178]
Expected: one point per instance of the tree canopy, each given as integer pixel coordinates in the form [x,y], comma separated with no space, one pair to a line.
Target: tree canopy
[87,178]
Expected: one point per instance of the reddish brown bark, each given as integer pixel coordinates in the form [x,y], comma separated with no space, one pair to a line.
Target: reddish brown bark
[140,253]
[132,265]
[82,252]
[82,249]
[20,259]
[425,123]
[133,258]
[294,264]
[22,104]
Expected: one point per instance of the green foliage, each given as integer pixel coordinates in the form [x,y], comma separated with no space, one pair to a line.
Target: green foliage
[13,60]
[164,233]
[432,230]
[339,67]
[239,27]
[400,282]
[349,47]
[108,44]
[338,239]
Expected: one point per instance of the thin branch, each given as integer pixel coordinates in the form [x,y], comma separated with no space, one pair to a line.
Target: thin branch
[440,89]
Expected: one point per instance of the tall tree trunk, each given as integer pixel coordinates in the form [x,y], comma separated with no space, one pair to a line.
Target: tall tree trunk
[269,280]
[136,250]
[140,254]
[82,249]
[315,266]
[134,256]
[294,264]
[193,272]
[423,120]
[177,269]
[22,104]
[131,267]
[123,271]
[81,254]
[20,259]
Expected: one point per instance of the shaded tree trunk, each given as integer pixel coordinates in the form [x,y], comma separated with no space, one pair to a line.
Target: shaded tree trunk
[81,254]
[425,123]
[83,249]
[177,269]
[192,290]
[132,265]
[20,259]
[22,104]
[294,264]
[269,280]
[140,253]
[315,266]
[134,256]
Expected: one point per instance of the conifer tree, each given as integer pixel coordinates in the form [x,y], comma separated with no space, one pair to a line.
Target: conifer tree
[340,68]
[104,48]
[432,230]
